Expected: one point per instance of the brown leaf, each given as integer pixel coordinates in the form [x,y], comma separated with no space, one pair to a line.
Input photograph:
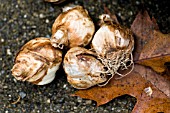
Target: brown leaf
[159,101]
[149,44]
[134,85]
[152,47]
[156,52]
[142,27]
[160,82]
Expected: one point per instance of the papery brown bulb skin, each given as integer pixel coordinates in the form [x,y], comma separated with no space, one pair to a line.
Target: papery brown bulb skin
[72,28]
[83,69]
[114,44]
[56,1]
[112,38]
[37,61]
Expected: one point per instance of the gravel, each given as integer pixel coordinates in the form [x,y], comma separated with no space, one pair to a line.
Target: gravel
[23,20]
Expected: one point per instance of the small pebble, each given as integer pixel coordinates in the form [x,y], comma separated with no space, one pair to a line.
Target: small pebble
[79,99]
[113,109]
[41,15]
[48,101]
[15,80]
[22,94]
[114,2]
[5,19]
[2,40]
[2,71]
[64,86]
[8,52]
[130,13]
[88,102]
[137,2]
[35,14]
[33,27]
[74,107]
[25,16]
[23,27]
[47,21]
[5,87]
[16,6]
[119,14]
[48,36]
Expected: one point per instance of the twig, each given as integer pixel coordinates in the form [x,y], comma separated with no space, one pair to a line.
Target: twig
[16,100]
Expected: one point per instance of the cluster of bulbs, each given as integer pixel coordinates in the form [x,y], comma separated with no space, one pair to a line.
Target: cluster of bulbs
[111,50]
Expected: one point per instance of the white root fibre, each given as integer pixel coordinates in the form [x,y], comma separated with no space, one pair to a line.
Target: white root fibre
[116,63]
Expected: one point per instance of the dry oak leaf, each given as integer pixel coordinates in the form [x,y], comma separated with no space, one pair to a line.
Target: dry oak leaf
[153,47]
[142,27]
[140,78]
[134,85]
[156,52]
